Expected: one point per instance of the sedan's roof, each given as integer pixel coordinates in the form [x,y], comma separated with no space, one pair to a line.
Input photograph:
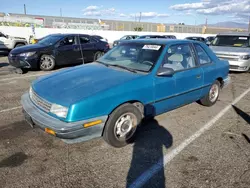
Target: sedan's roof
[159,41]
[67,34]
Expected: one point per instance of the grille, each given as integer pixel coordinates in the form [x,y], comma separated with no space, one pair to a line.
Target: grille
[234,67]
[41,103]
[228,57]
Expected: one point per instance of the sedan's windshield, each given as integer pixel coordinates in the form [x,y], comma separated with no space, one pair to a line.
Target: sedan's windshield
[232,41]
[49,40]
[135,56]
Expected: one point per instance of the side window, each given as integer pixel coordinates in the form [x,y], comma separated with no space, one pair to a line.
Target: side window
[68,41]
[202,55]
[84,40]
[179,57]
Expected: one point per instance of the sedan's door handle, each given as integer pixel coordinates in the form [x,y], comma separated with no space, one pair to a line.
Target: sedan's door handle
[76,48]
[198,76]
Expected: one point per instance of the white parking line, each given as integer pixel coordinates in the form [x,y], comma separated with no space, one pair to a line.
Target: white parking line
[10,109]
[6,83]
[141,180]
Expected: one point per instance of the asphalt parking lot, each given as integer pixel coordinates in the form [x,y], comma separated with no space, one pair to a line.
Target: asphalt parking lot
[193,146]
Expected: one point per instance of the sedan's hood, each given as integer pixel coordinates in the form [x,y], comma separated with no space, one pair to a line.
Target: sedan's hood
[28,48]
[230,50]
[71,85]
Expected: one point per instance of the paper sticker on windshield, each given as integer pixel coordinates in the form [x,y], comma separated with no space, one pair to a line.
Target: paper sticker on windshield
[243,38]
[151,47]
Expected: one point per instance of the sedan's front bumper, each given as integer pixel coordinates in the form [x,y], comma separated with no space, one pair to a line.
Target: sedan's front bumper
[70,132]
[23,62]
[239,66]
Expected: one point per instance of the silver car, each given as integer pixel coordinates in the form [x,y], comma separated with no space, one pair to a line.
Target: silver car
[234,47]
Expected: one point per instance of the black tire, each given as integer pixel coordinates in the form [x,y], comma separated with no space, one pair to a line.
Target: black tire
[207,101]
[97,55]
[19,45]
[47,63]
[110,130]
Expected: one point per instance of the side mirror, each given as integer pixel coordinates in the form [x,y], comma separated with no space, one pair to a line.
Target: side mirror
[61,43]
[2,35]
[163,71]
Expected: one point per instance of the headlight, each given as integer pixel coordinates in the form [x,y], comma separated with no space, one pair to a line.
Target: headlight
[27,54]
[30,92]
[245,57]
[59,110]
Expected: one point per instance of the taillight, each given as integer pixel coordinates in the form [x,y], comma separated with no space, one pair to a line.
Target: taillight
[107,45]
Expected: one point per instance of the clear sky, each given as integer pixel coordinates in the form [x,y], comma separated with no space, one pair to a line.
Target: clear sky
[163,11]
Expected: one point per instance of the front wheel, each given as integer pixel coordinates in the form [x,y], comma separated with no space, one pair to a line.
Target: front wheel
[97,55]
[212,96]
[121,125]
[47,63]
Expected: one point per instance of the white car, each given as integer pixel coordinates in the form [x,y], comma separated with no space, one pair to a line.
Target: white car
[7,43]
[234,47]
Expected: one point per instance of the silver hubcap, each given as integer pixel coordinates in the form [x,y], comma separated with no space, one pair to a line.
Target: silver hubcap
[98,55]
[213,93]
[46,62]
[125,126]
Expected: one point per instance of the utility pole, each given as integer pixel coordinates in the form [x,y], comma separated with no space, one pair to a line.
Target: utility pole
[140,18]
[61,12]
[24,8]
[249,25]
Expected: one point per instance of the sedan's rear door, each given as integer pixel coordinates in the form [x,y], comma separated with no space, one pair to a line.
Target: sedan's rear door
[88,47]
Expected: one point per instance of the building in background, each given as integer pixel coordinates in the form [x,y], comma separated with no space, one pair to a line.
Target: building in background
[25,20]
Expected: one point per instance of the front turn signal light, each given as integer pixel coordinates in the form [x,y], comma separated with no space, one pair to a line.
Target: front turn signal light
[50,131]
[92,123]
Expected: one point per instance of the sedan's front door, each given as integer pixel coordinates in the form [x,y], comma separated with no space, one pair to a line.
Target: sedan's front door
[68,51]
[186,83]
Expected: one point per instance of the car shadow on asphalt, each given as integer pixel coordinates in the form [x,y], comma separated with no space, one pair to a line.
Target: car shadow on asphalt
[4,65]
[244,116]
[148,147]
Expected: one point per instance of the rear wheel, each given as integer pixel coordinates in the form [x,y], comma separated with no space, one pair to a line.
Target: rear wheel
[212,96]
[97,55]
[47,62]
[121,125]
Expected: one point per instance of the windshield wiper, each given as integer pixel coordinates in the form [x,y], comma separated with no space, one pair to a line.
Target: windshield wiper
[105,64]
[123,67]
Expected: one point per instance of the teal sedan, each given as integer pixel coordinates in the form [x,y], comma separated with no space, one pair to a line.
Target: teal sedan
[136,79]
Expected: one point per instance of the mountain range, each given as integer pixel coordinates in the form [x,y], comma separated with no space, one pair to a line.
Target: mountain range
[230,25]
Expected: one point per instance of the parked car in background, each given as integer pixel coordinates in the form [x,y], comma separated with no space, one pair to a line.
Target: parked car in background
[151,37]
[100,38]
[58,49]
[170,36]
[7,43]
[234,47]
[124,38]
[200,39]
[143,78]
[209,40]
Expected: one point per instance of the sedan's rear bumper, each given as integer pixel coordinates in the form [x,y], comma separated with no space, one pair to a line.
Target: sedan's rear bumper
[70,132]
